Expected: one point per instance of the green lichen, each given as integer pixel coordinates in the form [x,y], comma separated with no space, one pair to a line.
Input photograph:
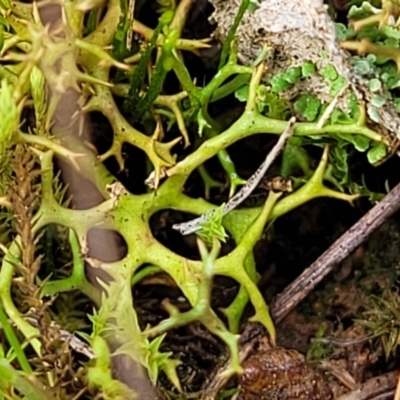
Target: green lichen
[79,64]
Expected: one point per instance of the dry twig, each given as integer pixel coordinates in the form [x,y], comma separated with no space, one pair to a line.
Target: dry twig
[343,247]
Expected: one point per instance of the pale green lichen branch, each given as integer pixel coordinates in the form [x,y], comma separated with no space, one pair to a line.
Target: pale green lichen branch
[77,279]
[50,212]
[251,123]
[233,265]
[159,153]
[202,310]
[195,225]
[181,44]
[6,275]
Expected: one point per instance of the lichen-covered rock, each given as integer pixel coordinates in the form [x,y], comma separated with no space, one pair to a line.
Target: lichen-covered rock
[301,31]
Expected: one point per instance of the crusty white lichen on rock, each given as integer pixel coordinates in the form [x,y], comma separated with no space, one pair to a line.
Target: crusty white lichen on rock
[299,32]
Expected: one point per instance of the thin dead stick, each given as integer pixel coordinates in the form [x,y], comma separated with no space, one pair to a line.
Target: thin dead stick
[373,388]
[345,245]
[194,225]
[73,341]
[329,110]
[131,13]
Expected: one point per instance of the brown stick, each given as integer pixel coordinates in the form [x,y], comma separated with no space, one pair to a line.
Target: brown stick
[373,388]
[345,245]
